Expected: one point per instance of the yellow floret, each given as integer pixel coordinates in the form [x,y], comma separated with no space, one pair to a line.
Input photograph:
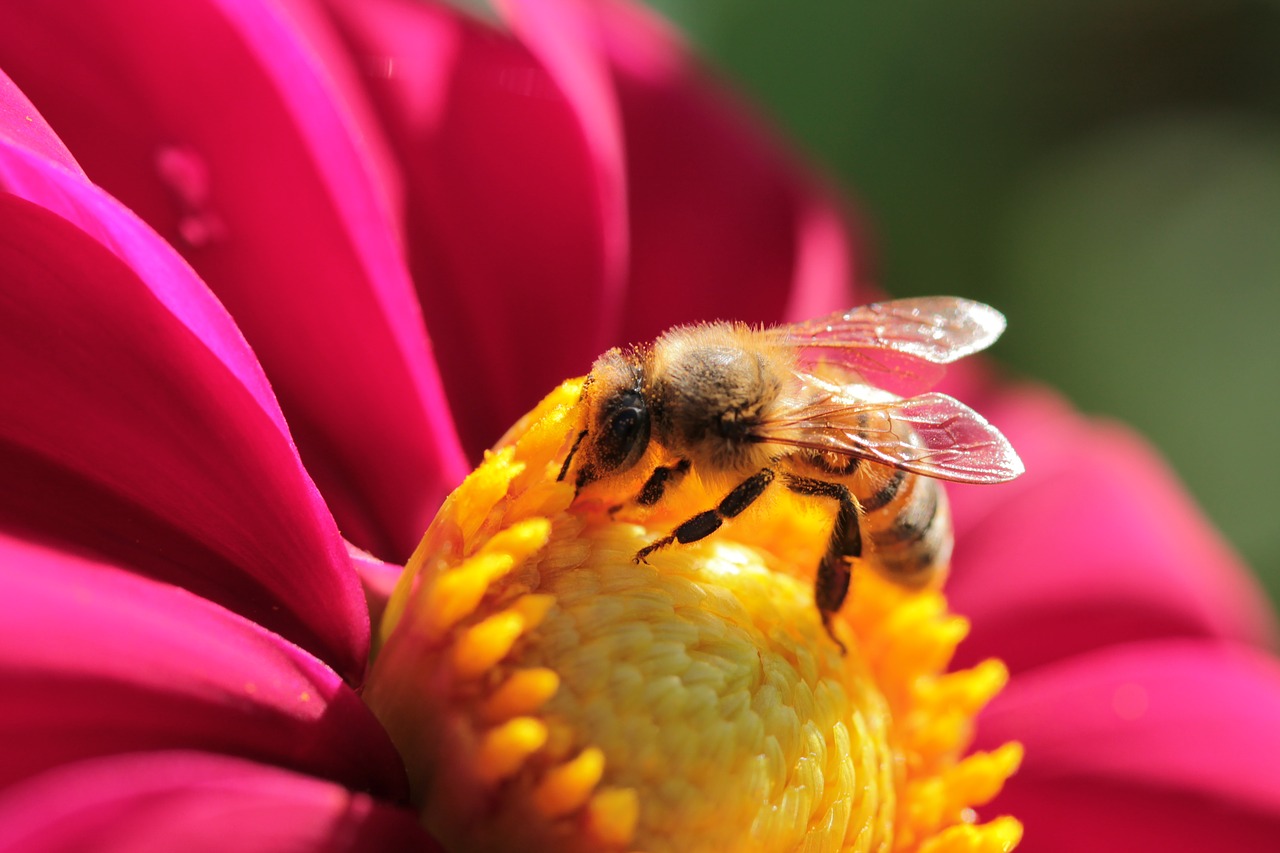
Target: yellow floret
[548,692]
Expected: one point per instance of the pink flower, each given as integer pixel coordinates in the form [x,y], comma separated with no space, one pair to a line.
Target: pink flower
[184,632]
[1141,686]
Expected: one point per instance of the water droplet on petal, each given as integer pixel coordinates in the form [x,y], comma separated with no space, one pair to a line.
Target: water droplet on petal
[200,231]
[184,172]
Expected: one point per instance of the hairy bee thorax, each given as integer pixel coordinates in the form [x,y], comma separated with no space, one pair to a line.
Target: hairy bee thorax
[712,387]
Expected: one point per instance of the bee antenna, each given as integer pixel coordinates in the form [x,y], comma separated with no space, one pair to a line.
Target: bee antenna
[564,469]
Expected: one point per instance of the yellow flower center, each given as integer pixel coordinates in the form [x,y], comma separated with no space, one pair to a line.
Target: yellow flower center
[547,692]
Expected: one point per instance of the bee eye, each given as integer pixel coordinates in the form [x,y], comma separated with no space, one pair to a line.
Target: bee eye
[625,423]
[624,432]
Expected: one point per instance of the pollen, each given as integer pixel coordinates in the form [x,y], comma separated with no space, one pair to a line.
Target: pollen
[549,692]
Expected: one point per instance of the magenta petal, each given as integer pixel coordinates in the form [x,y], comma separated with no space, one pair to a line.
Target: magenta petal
[96,660]
[1096,544]
[214,121]
[135,421]
[511,149]
[20,124]
[192,802]
[561,35]
[513,232]
[724,223]
[377,578]
[1169,746]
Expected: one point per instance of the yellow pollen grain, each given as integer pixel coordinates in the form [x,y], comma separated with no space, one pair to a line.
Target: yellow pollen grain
[505,748]
[524,691]
[567,787]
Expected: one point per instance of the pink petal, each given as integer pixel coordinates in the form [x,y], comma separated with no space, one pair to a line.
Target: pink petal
[21,125]
[1104,816]
[1096,544]
[377,578]
[725,224]
[214,120]
[514,233]
[310,23]
[135,421]
[512,153]
[1169,746]
[193,802]
[96,660]
[560,34]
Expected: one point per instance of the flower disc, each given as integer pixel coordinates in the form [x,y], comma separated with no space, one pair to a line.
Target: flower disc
[550,692]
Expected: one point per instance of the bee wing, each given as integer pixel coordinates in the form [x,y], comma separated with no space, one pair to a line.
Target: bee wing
[930,434]
[899,345]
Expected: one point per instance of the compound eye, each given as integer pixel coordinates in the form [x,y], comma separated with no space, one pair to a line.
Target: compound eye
[625,424]
[625,432]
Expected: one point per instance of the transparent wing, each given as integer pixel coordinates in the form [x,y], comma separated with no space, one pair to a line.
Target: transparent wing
[899,345]
[930,434]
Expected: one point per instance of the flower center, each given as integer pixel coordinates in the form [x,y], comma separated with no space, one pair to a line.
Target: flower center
[548,692]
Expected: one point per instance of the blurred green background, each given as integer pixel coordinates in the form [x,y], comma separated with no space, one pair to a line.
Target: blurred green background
[1106,172]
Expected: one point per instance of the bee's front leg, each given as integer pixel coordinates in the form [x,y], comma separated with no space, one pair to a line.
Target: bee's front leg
[654,487]
[662,476]
[568,459]
[705,523]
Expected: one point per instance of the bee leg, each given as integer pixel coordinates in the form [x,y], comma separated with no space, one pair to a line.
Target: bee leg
[568,460]
[657,483]
[654,487]
[705,523]
[832,583]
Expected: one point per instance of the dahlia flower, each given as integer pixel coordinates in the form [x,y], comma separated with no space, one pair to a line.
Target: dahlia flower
[274,273]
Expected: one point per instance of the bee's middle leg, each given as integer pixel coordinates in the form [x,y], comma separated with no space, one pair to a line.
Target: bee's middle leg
[832,583]
[705,523]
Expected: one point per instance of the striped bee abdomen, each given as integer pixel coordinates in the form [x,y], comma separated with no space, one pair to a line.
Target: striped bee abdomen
[907,522]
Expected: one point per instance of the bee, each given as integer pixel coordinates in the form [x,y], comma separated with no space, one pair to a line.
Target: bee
[813,407]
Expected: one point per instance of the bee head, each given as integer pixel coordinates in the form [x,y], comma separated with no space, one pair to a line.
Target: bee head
[622,431]
[618,417]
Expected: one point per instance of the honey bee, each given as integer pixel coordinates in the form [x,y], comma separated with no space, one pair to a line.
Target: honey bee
[813,407]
